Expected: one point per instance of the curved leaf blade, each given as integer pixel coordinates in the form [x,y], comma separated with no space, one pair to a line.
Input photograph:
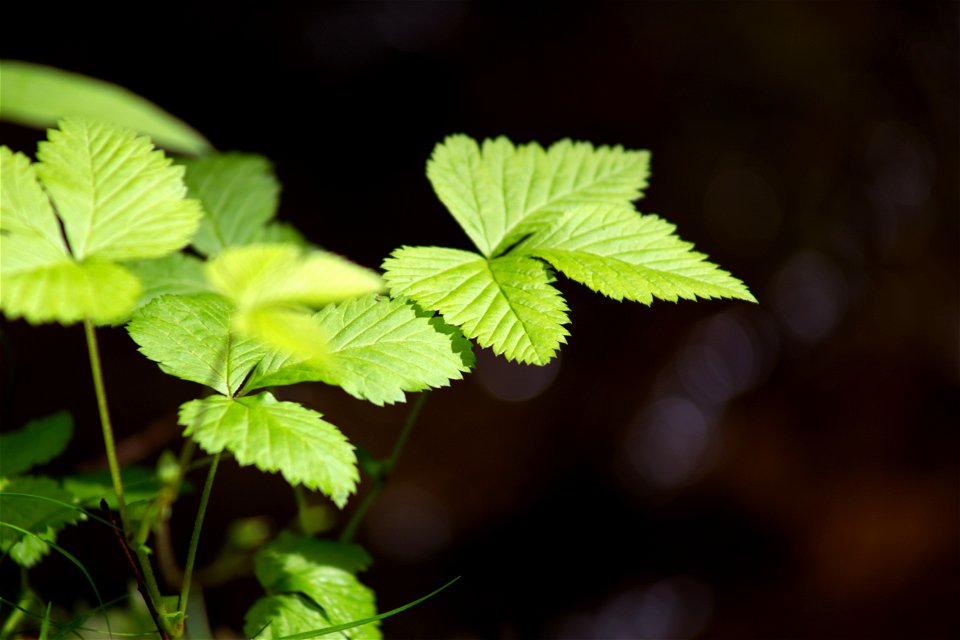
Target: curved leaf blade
[118,197]
[506,303]
[39,96]
[275,436]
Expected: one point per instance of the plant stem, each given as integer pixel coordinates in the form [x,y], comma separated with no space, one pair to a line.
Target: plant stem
[153,591]
[301,497]
[159,510]
[195,537]
[411,420]
[386,468]
[108,440]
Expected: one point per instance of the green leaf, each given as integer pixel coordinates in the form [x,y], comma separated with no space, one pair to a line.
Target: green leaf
[275,436]
[139,484]
[239,193]
[378,348]
[324,572]
[37,442]
[622,254]
[175,274]
[118,197]
[71,291]
[190,338]
[499,193]
[505,303]
[39,96]
[38,516]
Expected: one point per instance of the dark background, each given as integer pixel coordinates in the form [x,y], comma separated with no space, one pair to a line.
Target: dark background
[718,470]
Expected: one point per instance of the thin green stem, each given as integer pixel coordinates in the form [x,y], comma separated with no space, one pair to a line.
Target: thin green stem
[153,591]
[386,468]
[411,420]
[195,537]
[301,497]
[107,428]
[159,510]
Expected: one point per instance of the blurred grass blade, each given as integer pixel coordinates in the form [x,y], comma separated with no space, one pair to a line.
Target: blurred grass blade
[38,96]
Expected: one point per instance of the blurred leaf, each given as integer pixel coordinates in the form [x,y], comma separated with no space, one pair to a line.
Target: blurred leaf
[139,484]
[39,516]
[239,193]
[40,96]
[271,284]
[174,274]
[37,442]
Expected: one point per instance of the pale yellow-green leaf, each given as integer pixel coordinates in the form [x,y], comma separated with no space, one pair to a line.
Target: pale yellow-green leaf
[31,235]
[118,197]
[39,96]
[499,192]
[618,252]
[69,292]
[276,436]
[288,330]
[505,303]
[282,274]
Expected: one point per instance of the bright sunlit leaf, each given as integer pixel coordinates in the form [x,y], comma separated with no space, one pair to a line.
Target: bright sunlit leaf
[275,436]
[506,303]
[378,348]
[618,252]
[499,192]
[117,199]
[189,337]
